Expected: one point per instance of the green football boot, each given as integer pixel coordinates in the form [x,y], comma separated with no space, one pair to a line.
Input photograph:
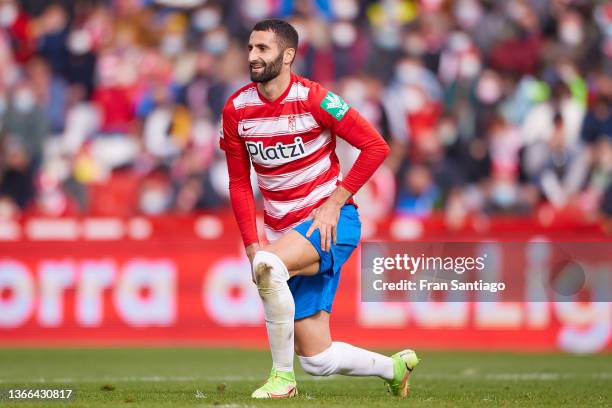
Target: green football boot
[280,384]
[403,363]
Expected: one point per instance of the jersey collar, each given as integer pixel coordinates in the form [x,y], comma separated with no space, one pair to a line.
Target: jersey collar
[282,97]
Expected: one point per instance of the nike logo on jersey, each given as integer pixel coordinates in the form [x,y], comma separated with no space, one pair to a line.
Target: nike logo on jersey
[259,153]
[246,129]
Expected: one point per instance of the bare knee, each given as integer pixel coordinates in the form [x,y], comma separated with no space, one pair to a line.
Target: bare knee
[312,334]
[292,267]
[296,252]
[314,346]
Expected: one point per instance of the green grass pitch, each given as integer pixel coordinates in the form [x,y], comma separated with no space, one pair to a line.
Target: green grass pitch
[192,377]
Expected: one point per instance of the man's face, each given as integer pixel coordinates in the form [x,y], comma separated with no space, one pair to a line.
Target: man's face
[265,56]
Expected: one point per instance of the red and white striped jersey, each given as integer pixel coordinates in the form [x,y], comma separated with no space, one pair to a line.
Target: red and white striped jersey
[290,143]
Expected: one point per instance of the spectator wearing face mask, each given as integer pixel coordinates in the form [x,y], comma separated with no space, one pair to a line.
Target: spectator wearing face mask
[26,122]
[561,113]
[598,120]
[599,178]
[412,104]
[20,29]
[418,194]
[519,51]
[565,166]
[81,59]
[52,40]
[49,87]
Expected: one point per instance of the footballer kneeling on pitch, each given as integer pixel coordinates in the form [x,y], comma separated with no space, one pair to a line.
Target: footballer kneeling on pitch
[285,126]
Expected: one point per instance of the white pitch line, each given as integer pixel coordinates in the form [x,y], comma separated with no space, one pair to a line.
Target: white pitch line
[528,376]
[515,376]
[232,378]
[154,378]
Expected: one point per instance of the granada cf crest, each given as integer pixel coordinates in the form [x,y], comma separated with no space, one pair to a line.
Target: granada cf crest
[291,123]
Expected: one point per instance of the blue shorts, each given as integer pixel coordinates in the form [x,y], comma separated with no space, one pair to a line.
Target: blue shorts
[316,292]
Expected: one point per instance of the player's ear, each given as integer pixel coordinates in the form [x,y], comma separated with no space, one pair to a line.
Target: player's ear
[289,55]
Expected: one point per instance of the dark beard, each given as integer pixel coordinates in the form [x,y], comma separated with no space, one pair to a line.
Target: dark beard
[271,70]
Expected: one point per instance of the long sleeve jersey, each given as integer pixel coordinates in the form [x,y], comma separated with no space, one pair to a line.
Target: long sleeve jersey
[290,142]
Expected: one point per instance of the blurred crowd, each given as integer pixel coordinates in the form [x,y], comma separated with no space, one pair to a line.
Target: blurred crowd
[112,107]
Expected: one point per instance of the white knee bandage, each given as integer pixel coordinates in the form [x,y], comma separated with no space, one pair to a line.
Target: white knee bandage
[268,269]
[322,364]
[271,275]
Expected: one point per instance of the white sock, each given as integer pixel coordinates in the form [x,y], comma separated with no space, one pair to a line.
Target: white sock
[271,276]
[343,358]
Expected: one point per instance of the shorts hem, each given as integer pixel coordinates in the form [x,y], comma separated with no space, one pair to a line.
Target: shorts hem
[311,312]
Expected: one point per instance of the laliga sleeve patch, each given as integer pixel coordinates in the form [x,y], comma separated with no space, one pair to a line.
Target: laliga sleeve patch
[334,105]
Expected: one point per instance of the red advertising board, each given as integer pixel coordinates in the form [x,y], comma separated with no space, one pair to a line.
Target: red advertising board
[184,280]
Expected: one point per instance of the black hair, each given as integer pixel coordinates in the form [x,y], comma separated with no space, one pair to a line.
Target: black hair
[285,33]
